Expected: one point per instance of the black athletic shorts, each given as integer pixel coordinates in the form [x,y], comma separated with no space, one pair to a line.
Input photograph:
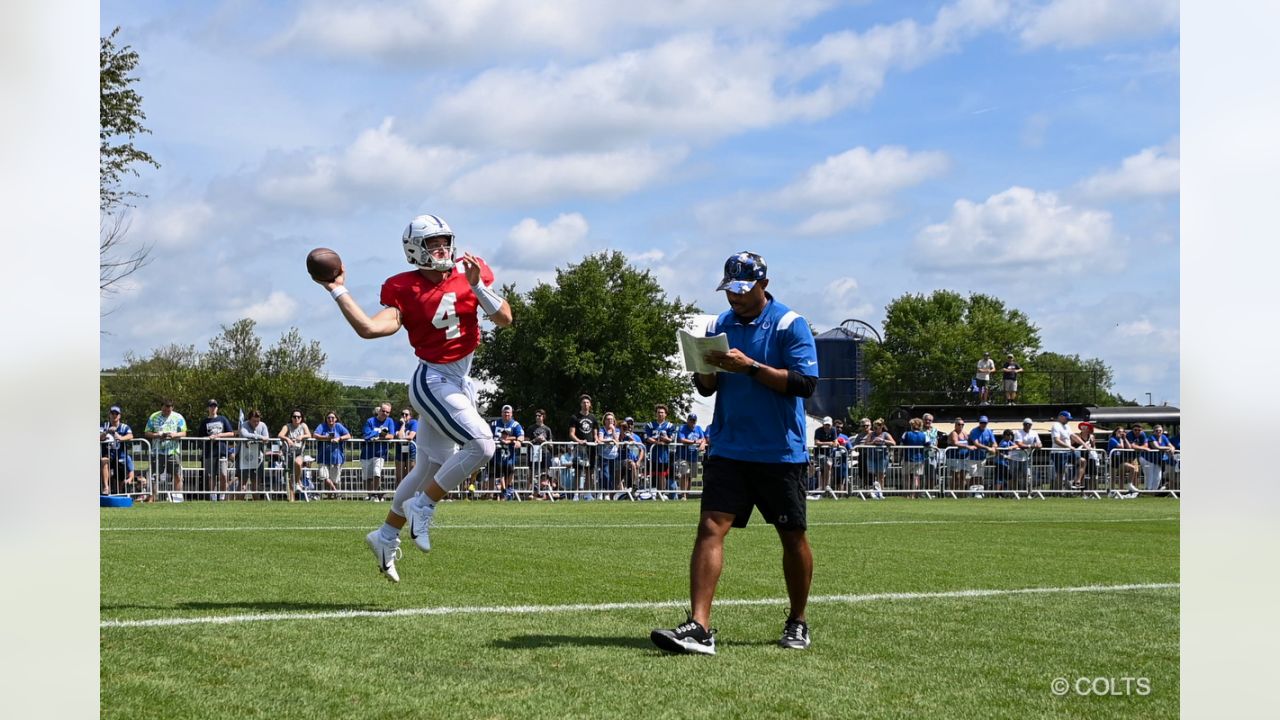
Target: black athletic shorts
[735,486]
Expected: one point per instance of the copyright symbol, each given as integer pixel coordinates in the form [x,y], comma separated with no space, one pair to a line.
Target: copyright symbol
[1059,686]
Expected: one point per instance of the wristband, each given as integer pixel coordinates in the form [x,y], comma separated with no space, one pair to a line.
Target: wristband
[488,299]
[338,292]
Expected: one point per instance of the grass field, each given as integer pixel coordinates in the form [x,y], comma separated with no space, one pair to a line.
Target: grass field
[311,630]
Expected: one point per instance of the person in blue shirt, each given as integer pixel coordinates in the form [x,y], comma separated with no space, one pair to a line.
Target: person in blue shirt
[373,453]
[691,439]
[608,435]
[1162,456]
[329,436]
[981,442]
[116,463]
[913,454]
[1148,458]
[406,451]
[659,434]
[634,459]
[759,455]
[1004,472]
[508,435]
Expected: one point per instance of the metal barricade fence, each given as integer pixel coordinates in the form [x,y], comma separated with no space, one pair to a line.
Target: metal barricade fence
[228,468]
[126,464]
[1139,472]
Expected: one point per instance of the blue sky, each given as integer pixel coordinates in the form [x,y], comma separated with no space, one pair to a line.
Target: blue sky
[1023,149]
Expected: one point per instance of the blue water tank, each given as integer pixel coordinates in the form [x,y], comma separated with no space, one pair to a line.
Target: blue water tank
[841,374]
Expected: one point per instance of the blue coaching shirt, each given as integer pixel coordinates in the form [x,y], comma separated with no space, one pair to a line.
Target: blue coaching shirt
[766,426]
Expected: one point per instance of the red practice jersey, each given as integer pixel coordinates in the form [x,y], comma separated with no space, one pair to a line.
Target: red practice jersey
[442,318]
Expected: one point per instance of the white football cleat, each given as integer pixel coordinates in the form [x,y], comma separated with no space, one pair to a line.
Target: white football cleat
[386,553]
[418,517]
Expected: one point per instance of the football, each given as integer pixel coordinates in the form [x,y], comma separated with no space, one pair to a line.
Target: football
[323,264]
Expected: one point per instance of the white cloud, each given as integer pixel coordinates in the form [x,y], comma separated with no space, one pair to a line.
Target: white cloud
[531,245]
[843,193]
[695,86]
[1136,328]
[1018,227]
[378,161]
[855,174]
[1153,171]
[170,226]
[534,178]
[444,32]
[276,309]
[1075,23]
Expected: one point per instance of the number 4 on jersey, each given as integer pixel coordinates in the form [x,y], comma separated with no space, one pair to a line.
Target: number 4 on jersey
[446,317]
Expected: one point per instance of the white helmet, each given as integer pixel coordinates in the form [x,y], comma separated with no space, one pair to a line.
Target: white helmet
[415,242]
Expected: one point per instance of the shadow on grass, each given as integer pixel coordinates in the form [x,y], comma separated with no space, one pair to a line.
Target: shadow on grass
[259,606]
[533,642]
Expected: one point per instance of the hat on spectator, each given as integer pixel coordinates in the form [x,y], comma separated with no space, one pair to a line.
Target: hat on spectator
[692,416]
[114,409]
[1027,421]
[983,419]
[826,420]
[1086,424]
[213,403]
[505,408]
[628,420]
[742,271]
[1065,414]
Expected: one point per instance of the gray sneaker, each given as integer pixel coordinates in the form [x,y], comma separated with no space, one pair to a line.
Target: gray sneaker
[795,635]
[417,515]
[387,553]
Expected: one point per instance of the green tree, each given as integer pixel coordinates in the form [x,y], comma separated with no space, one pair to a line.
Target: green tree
[605,328]
[1054,377]
[236,370]
[120,119]
[932,343]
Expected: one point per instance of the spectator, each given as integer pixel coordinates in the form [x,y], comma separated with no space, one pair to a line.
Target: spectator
[294,433]
[691,440]
[508,435]
[915,444]
[877,456]
[373,455]
[981,442]
[1004,470]
[634,460]
[958,459]
[213,426]
[1062,453]
[1011,371]
[1125,463]
[407,448]
[982,379]
[330,435]
[858,442]
[1027,441]
[256,432]
[1163,459]
[840,457]
[659,433]
[163,428]
[116,463]
[824,443]
[539,434]
[1087,447]
[1140,441]
[608,436]
[933,454]
[582,431]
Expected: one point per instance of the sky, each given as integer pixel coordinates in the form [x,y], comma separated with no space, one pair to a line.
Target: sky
[1026,150]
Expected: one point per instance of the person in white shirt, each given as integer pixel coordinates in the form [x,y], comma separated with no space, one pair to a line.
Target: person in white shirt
[1028,442]
[982,379]
[1063,453]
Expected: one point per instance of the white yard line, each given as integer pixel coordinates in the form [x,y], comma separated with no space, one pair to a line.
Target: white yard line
[609,526]
[610,607]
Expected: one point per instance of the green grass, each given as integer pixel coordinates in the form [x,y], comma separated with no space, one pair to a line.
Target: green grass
[978,657]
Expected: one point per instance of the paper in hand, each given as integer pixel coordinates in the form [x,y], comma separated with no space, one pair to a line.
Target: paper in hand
[694,347]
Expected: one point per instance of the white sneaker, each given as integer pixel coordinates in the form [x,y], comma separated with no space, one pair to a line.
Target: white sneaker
[386,553]
[418,518]
[1130,487]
